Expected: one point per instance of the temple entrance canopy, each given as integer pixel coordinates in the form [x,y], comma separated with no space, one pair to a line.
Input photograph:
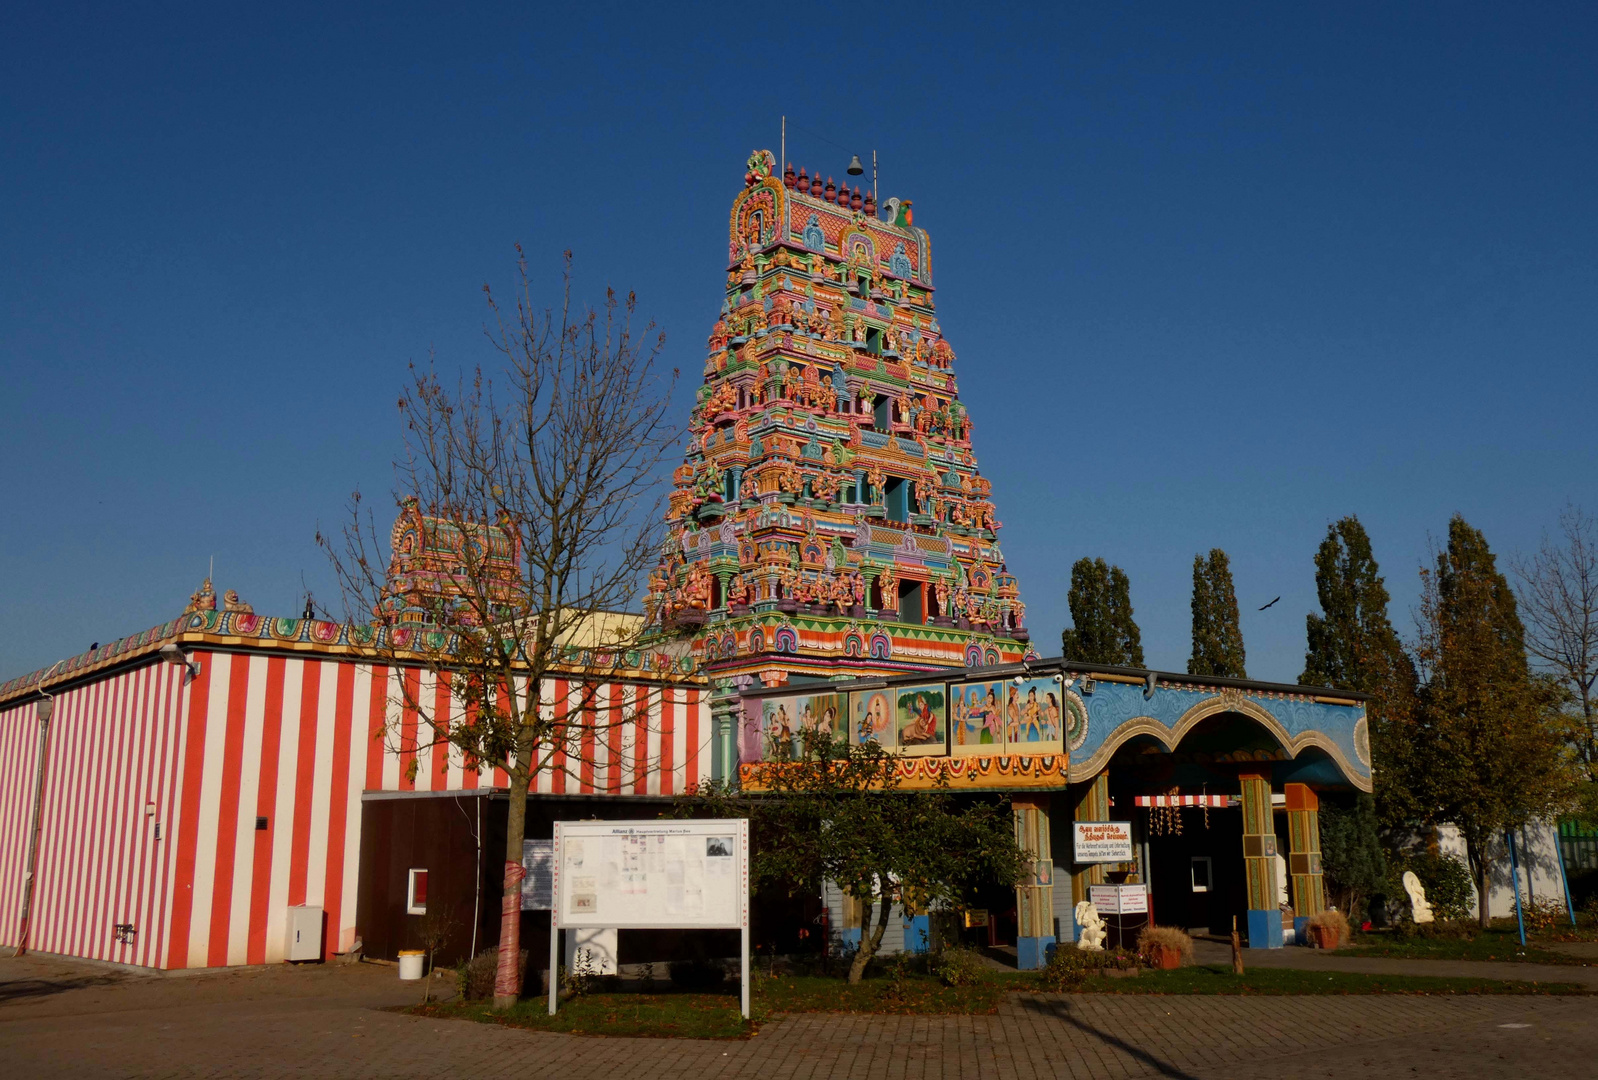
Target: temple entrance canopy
[1218,781]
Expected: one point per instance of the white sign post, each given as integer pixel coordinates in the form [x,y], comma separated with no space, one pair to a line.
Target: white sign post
[1103,841]
[650,875]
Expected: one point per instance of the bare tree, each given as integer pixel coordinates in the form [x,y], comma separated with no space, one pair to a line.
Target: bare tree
[1558,589]
[536,526]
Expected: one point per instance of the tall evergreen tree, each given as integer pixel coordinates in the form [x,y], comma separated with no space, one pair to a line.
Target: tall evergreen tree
[1352,645]
[1217,636]
[1495,756]
[1103,631]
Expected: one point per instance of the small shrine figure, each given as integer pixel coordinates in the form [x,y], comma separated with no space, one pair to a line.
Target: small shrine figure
[1419,907]
[204,599]
[1088,918]
[737,591]
[231,602]
[888,582]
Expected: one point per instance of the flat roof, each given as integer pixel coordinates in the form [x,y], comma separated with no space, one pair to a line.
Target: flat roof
[1050,666]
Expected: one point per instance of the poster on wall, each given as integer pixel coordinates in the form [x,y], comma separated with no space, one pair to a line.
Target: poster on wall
[1102,841]
[668,875]
[871,719]
[785,720]
[538,859]
[921,718]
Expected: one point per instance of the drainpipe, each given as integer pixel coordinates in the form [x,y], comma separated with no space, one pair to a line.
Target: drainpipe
[45,709]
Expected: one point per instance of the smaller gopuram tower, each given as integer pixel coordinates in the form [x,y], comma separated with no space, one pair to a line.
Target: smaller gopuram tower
[829,518]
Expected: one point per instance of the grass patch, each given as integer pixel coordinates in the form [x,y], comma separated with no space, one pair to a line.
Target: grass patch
[659,1016]
[1218,979]
[1496,945]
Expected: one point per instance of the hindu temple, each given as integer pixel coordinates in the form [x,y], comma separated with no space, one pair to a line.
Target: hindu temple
[830,517]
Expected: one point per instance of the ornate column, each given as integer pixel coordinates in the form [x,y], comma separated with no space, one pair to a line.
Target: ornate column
[726,715]
[1259,863]
[1304,850]
[1092,804]
[1034,897]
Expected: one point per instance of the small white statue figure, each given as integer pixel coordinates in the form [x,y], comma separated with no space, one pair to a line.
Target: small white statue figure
[1091,939]
[1420,909]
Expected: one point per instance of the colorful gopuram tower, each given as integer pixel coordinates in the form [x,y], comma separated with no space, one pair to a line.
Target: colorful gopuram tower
[829,518]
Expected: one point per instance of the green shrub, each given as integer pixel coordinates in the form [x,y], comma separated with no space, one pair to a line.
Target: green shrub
[958,965]
[1446,879]
[475,977]
[1069,967]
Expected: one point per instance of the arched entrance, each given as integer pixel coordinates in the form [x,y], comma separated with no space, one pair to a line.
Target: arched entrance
[1203,812]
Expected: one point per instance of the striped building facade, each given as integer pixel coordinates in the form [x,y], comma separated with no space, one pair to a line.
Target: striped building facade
[183,814]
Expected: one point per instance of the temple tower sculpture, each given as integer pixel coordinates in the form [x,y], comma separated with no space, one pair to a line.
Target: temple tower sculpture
[829,518]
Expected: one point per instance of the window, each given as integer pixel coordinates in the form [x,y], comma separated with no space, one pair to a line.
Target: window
[1201,873]
[874,340]
[846,495]
[729,486]
[882,413]
[416,893]
[897,497]
[910,607]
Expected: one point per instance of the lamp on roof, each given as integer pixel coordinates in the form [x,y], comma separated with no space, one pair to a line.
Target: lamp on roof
[855,168]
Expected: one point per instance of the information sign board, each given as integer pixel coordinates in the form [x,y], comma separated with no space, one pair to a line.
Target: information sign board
[1103,841]
[659,875]
[1119,899]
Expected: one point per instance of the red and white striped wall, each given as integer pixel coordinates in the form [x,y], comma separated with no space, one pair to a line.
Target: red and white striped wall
[198,811]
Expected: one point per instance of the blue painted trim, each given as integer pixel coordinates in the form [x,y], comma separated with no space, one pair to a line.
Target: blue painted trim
[1264,929]
[918,934]
[1032,953]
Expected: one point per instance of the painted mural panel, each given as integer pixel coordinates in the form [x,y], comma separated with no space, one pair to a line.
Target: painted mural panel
[921,715]
[976,720]
[1033,717]
[871,719]
[785,720]
[1030,717]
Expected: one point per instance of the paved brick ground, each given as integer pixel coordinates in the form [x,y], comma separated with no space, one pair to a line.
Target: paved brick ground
[60,1019]
[1302,959]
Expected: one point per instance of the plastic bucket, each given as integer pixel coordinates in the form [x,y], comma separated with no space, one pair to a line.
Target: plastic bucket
[410,963]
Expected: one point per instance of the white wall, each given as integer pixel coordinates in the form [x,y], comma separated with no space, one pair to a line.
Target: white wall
[1538,855]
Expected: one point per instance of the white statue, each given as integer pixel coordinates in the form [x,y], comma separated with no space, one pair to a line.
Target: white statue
[1420,909]
[1091,939]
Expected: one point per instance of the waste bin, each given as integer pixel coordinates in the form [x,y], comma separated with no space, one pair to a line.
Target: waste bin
[410,963]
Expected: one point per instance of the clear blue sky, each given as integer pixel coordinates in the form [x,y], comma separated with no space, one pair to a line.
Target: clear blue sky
[1216,275]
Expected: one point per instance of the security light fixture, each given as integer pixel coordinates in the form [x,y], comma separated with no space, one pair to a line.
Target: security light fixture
[855,168]
[174,656]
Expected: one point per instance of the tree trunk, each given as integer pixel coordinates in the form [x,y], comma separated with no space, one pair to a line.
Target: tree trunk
[1476,855]
[507,981]
[869,943]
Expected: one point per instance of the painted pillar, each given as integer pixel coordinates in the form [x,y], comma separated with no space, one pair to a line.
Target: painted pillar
[1304,851]
[1259,863]
[726,716]
[1034,897]
[1092,804]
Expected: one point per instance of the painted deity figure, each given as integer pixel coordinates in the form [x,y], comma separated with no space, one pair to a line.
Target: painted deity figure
[923,726]
[202,599]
